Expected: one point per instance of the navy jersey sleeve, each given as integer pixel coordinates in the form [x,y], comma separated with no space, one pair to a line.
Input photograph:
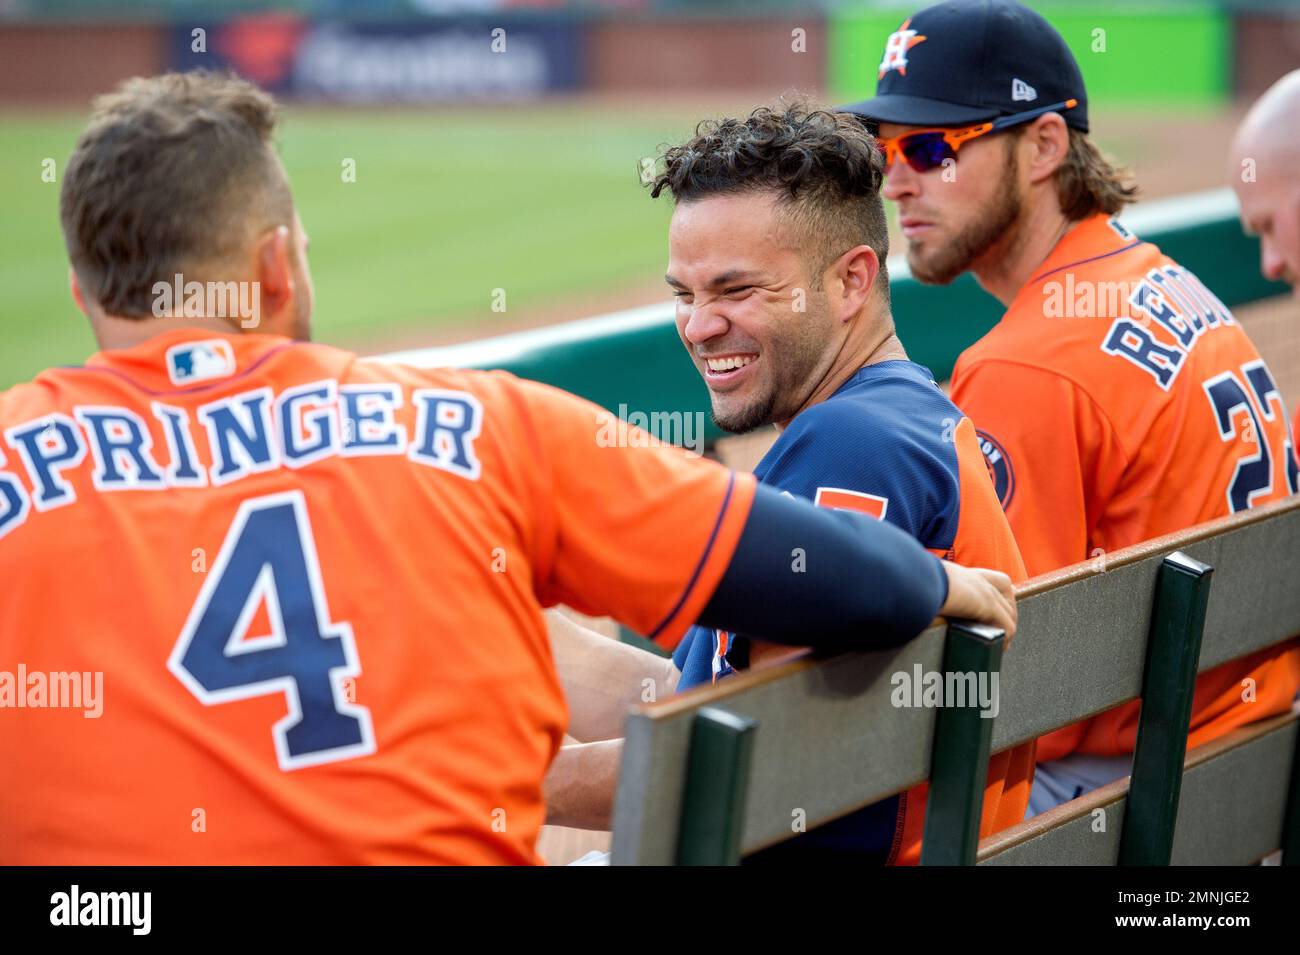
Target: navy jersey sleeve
[893,463]
[826,604]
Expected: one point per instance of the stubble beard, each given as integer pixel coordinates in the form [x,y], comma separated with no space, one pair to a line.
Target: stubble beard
[991,226]
[801,350]
[747,419]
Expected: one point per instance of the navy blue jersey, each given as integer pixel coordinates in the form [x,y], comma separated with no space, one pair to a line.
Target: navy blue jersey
[883,443]
[888,443]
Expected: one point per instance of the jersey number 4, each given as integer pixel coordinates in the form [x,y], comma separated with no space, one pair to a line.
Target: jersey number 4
[269,555]
[1228,396]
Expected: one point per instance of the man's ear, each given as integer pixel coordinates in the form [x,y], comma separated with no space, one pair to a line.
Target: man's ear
[273,263]
[74,286]
[856,272]
[1048,142]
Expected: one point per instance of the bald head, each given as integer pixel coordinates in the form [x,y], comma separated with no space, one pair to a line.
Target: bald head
[1264,171]
[1271,130]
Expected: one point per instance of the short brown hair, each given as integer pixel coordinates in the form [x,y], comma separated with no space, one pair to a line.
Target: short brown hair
[1088,182]
[173,175]
[824,167]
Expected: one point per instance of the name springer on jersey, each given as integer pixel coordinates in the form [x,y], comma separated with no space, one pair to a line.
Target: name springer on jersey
[240,435]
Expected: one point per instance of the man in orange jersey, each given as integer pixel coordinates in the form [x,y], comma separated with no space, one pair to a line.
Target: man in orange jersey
[1264,170]
[777,253]
[1117,399]
[268,602]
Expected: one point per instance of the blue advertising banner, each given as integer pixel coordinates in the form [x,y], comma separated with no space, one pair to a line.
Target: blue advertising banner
[366,62]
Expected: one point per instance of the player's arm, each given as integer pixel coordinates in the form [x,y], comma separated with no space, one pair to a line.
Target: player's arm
[863,584]
[901,481]
[759,594]
[580,785]
[603,678]
[824,610]
[660,540]
[1055,456]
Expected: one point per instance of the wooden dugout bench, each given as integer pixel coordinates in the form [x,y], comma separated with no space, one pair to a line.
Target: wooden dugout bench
[720,772]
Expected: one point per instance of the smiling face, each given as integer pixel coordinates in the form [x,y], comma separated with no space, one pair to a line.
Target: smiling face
[951,217]
[755,323]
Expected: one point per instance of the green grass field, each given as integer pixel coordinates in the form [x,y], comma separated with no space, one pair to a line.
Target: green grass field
[447,206]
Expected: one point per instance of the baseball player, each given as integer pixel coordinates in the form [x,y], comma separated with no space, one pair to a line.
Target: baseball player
[311,586]
[1264,170]
[1117,399]
[777,253]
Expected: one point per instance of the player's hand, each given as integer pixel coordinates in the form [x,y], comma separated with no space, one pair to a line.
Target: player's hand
[982,595]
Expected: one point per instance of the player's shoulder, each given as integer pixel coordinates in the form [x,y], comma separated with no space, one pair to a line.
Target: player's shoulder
[886,436]
[888,419]
[53,390]
[512,408]
[495,386]
[1103,295]
[888,404]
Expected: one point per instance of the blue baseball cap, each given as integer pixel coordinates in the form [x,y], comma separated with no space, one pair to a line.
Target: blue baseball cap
[971,61]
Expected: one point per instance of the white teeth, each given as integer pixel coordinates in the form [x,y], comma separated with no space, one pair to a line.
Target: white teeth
[728,364]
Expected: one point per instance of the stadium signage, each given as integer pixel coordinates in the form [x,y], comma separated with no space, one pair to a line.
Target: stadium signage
[443,60]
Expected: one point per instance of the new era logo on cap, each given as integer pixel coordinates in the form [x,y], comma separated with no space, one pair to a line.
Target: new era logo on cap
[1020,90]
[200,361]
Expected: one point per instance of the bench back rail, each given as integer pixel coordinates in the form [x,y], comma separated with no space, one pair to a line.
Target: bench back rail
[837,734]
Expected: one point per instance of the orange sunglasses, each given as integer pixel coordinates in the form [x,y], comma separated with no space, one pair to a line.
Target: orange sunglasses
[926,149]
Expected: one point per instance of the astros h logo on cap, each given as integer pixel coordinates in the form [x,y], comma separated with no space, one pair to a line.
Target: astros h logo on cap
[962,62]
[900,41]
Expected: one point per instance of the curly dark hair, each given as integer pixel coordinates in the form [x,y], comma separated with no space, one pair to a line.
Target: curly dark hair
[824,166]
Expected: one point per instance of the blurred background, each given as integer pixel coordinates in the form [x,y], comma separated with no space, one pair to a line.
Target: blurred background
[495,145]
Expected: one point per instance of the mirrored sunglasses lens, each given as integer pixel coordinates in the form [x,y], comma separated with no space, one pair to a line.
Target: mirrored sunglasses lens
[925,151]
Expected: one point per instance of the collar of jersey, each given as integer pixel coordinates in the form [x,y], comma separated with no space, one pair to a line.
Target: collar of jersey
[145,366]
[880,369]
[1090,240]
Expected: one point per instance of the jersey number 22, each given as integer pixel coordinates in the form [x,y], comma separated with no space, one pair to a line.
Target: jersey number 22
[1228,395]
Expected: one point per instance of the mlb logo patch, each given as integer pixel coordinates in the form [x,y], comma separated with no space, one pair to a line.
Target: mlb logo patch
[200,361]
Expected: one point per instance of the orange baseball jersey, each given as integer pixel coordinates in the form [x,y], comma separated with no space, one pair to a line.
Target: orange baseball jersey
[888,443]
[1118,400]
[290,601]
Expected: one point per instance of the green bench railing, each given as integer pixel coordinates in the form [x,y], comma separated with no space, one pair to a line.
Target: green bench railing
[720,772]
